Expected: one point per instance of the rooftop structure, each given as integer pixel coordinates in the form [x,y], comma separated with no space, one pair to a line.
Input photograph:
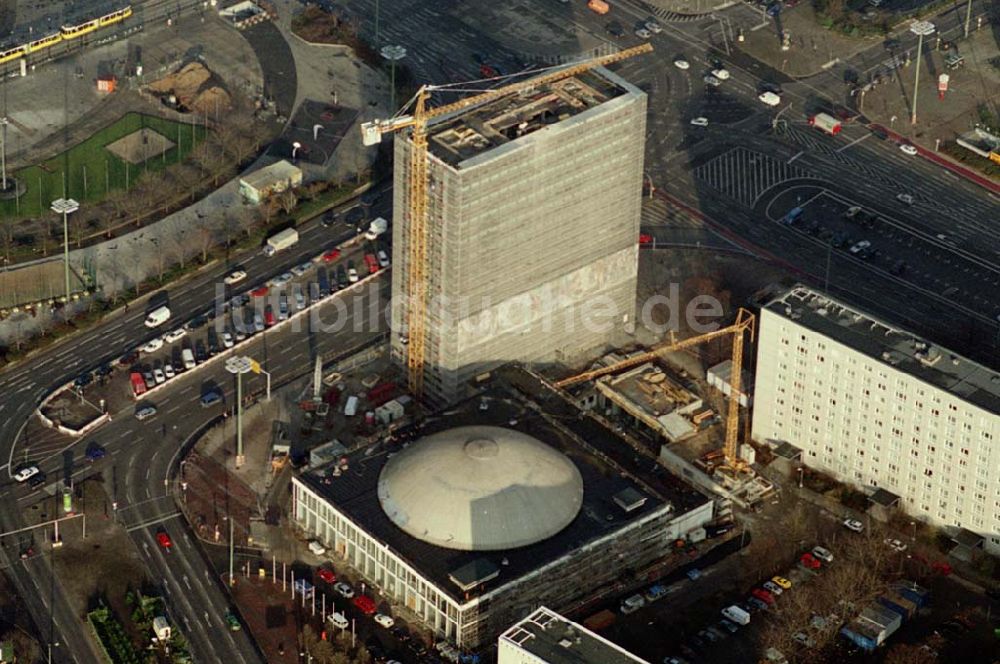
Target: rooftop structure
[471,522]
[651,396]
[891,345]
[545,637]
[503,200]
[462,137]
[269,180]
[480,488]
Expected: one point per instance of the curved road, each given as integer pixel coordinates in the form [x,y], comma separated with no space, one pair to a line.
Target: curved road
[139,463]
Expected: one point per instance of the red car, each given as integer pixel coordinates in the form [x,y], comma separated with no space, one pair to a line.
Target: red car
[326,575]
[259,292]
[763,595]
[487,71]
[364,604]
[809,561]
[268,317]
[164,540]
[331,255]
[645,238]
[372,263]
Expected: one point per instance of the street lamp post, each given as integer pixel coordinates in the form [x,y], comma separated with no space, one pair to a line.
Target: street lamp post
[65,206]
[239,365]
[921,29]
[3,150]
[393,53]
[650,181]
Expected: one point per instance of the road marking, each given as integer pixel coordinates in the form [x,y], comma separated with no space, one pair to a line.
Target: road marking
[857,140]
[797,155]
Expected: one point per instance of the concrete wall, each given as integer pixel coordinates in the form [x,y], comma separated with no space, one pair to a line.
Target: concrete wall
[526,242]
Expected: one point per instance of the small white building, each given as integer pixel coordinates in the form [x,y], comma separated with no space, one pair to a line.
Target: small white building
[161,628]
[263,183]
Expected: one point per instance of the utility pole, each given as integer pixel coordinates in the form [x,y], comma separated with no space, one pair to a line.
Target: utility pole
[968,17]
[919,28]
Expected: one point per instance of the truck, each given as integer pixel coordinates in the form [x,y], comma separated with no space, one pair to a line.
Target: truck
[280,241]
[138,384]
[736,614]
[598,7]
[827,123]
[157,317]
[378,226]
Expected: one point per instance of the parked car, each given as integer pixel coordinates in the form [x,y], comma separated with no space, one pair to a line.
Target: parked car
[905,198]
[26,473]
[853,524]
[908,149]
[364,604]
[781,582]
[699,122]
[339,620]
[632,604]
[653,27]
[822,554]
[227,340]
[713,81]
[721,73]
[153,345]
[326,575]
[382,619]
[643,33]
[94,452]
[163,539]
[168,370]
[772,587]
[615,29]
[344,590]
[682,64]
[896,544]
[763,595]
[235,277]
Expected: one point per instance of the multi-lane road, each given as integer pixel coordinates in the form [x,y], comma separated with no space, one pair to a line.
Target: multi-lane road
[140,458]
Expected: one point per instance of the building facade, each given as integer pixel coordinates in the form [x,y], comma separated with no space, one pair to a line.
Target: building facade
[533,224]
[875,406]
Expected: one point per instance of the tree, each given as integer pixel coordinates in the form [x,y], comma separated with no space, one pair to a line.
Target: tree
[908,653]
[206,240]
[287,200]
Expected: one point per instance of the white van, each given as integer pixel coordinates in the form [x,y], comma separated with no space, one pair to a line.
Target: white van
[188,357]
[737,615]
[338,620]
[351,408]
[316,547]
[158,317]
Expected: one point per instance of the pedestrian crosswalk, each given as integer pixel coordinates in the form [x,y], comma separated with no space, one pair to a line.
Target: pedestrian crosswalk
[658,212]
[744,175]
[668,16]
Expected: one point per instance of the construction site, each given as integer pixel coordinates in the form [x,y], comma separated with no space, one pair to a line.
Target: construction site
[495,167]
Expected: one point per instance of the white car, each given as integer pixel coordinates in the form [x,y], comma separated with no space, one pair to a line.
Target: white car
[153,345]
[682,64]
[168,371]
[769,98]
[145,413]
[721,73]
[643,33]
[905,198]
[344,590]
[26,473]
[713,81]
[159,376]
[339,620]
[772,587]
[301,269]
[822,554]
[860,246]
[699,122]
[352,275]
[384,620]
[235,277]
[300,301]
[653,27]
[896,545]
[908,149]
[854,525]
[383,259]
[227,340]
[174,335]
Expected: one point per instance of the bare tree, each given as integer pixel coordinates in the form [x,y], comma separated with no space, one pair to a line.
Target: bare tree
[206,239]
[908,653]
[288,199]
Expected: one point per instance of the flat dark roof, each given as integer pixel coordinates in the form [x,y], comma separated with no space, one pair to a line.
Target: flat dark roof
[355,492]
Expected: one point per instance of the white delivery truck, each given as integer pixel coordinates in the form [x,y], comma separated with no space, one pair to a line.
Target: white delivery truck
[351,408]
[157,317]
[737,615]
[280,241]
[376,228]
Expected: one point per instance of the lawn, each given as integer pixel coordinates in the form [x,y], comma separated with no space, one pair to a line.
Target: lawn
[92,171]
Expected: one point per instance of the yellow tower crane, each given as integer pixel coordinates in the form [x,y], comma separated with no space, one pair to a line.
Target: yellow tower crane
[744,323]
[416,212]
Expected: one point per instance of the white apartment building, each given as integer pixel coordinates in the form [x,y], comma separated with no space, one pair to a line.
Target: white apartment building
[545,637]
[876,406]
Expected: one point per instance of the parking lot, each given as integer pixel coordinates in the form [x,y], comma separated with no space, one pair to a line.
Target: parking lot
[932,262]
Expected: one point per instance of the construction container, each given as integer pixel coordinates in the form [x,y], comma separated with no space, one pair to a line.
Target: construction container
[863,633]
[895,602]
[913,592]
[888,621]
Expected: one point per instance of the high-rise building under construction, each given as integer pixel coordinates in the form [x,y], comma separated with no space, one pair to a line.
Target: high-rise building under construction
[533,205]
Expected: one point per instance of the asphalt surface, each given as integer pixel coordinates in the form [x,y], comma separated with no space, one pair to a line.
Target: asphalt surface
[139,458]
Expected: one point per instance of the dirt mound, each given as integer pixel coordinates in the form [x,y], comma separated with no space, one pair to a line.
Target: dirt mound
[194,88]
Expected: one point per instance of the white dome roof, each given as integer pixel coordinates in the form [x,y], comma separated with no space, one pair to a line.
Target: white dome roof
[480,488]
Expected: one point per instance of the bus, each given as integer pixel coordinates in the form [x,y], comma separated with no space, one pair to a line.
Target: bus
[792,216]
